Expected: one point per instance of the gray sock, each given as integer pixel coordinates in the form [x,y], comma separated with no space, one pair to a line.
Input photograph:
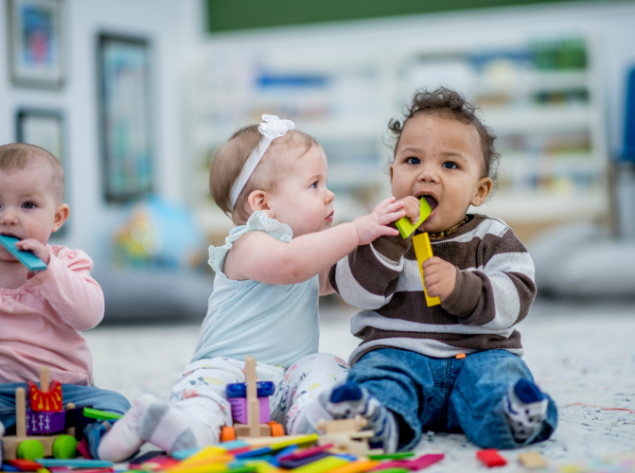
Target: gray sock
[168,428]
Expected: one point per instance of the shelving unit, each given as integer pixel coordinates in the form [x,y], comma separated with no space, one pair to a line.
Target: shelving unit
[542,99]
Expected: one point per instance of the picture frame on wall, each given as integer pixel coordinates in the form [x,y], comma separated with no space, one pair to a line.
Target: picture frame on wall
[36,56]
[44,128]
[124,74]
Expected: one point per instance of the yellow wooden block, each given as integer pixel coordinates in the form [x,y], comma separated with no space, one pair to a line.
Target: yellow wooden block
[321,466]
[423,251]
[532,460]
[203,467]
[299,440]
[356,467]
[205,454]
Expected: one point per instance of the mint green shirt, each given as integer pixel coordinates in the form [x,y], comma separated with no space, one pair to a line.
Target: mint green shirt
[276,324]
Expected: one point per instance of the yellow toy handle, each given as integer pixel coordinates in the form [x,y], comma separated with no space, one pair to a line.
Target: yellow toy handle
[423,251]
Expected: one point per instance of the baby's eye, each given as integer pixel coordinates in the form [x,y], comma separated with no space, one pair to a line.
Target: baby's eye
[315,184]
[28,205]
[450,165]
[413,161]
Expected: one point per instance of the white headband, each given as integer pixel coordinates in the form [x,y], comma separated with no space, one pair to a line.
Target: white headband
[270,130]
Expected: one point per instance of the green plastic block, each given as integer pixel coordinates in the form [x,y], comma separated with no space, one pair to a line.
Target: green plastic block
[64,447]
[100,415]
[30,449]
[406,228]
[392,456]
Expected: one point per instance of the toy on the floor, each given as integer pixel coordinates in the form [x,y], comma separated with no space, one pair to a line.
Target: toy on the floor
[532,460]
[250,407]
[26,257]
[490,458]
[46,429]
[347,436]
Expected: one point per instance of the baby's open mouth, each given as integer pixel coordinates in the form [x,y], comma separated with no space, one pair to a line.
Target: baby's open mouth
[431,201]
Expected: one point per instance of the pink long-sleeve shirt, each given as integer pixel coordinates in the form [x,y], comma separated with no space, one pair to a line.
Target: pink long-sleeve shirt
[41,321]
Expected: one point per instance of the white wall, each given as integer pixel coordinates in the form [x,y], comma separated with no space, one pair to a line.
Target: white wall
[172,28]
[611,24]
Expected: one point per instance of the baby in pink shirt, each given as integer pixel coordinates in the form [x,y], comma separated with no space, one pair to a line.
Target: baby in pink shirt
[42,314]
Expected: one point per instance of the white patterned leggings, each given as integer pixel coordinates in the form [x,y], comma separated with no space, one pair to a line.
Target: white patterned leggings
[200,390]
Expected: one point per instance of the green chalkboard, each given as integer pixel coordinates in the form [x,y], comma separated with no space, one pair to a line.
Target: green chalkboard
[229,15]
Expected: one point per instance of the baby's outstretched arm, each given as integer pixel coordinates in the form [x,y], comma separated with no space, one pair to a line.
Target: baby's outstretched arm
[262,258]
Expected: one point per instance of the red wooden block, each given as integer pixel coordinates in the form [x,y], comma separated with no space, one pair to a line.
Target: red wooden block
[82,447]
[424,461]
[25,465]
[50,401]
[490,458]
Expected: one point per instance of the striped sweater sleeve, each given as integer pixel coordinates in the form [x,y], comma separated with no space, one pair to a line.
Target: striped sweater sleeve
[368,276]
[499,292]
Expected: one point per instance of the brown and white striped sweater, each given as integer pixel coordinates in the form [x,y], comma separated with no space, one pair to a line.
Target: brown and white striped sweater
[494,291]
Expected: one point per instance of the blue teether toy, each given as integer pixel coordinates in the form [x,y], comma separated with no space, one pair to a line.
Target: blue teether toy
[26,257]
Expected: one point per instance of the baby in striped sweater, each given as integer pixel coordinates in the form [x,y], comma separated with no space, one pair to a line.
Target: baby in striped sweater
[454,367]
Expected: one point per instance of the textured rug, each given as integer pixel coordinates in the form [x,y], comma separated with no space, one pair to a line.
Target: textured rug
[582,354]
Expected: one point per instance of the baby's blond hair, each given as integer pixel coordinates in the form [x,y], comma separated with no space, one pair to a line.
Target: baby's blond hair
[229,160]
[20,155]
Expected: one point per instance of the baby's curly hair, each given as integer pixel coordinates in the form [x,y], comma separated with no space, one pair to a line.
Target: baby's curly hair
[451,104]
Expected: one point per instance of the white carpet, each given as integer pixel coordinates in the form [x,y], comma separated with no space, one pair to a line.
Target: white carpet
[582,355]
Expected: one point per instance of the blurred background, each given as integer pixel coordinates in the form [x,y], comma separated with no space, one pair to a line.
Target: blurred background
[134,96]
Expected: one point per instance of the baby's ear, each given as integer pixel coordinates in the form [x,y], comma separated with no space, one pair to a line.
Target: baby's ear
[483,188]
[61,215]
[258,200]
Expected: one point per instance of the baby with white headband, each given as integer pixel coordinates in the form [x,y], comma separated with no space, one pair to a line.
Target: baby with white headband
[271,179]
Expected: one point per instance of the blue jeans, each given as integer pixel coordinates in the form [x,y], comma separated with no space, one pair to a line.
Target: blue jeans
[448,395]
[101,399]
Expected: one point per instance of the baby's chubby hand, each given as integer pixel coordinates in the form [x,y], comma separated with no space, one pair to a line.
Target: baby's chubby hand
[372,226]
[439,277]
[39,249]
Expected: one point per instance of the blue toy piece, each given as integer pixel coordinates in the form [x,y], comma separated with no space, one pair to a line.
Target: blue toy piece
[264,388]
[629,124]
[27,258]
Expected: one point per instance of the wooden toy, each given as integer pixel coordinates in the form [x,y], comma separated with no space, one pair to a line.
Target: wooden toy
[423,251]
[405,226]
[26,257]
[411,465]
[74,463]
[100,415]
[490,458]
[249,410]
[347,436]
[323,465]
[532,460]
[392,456]
[46,428]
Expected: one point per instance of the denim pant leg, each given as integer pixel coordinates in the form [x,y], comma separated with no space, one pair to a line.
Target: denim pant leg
[7,403]
[404,383]
[477,399]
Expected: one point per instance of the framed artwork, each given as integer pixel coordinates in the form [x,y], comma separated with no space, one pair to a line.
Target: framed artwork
[125,116]
[44,128]
[35,43]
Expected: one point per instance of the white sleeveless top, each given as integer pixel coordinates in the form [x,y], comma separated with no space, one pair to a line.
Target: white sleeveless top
[276,324]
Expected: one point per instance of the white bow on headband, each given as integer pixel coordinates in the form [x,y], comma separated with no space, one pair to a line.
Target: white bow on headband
[270,130]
